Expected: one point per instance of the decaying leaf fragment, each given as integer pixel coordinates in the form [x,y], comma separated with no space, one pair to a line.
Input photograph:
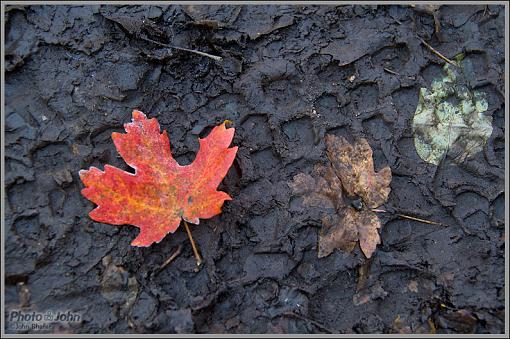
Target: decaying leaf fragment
[351,171]
[450,118]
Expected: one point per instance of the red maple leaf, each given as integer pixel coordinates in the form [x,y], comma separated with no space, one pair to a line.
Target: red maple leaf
[161,191]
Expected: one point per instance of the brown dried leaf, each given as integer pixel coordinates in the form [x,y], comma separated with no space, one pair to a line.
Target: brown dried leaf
[323,189]
[344,229]
[338,231]
[355,167]
[352,170]
[368,224]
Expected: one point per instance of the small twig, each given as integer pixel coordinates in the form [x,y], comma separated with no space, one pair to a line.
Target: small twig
[308,320]
[214,57]
[433,50]
[396,20]
[171,258]
[390,71]
[421,220]
[411,218]
[198,258]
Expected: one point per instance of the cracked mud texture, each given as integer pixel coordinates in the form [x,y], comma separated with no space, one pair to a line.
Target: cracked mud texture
[289,76]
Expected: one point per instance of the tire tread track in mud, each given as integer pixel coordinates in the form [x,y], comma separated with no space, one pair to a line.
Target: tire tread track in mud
[289,76]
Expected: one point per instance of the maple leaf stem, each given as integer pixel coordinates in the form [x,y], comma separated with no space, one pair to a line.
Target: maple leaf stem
[198,258]
[405,216]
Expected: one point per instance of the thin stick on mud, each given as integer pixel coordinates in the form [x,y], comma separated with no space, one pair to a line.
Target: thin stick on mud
[405,216]
[198,258]
[390,71]
[214,57]
[433,50]
[430,222]
[171,258]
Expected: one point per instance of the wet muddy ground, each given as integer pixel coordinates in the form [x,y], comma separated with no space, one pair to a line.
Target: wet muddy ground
[289,75]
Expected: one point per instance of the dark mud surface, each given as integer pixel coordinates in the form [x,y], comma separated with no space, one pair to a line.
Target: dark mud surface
[289,75]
